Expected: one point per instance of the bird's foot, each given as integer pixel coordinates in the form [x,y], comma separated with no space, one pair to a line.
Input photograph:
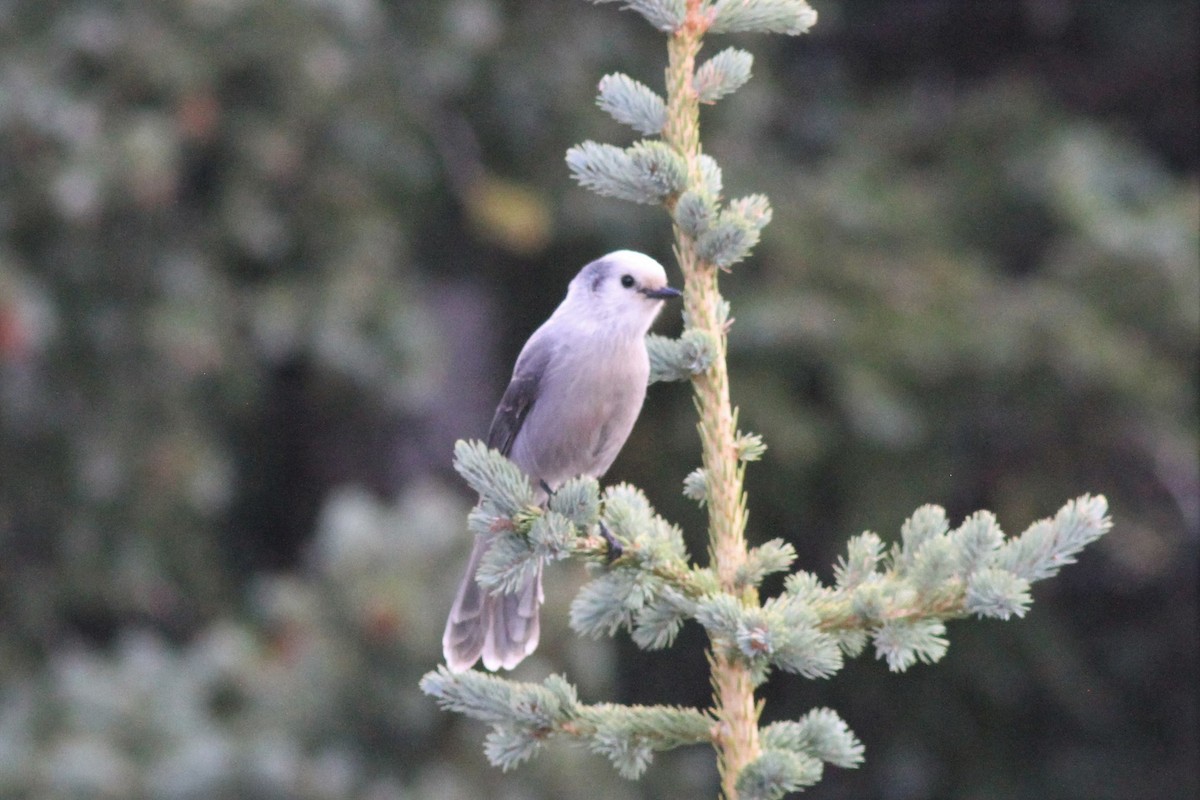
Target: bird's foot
[615,550]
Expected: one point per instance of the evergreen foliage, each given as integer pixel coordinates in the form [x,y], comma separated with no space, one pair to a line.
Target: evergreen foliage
[695,485]
[261,263]
[665,15]
[524,715]
[790,17]
[679,359]
[632,103]
[898,598]
[722,74]
[500,482]
[646,172]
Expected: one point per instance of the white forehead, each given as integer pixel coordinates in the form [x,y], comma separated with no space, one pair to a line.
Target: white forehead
[639,265]
[602,276]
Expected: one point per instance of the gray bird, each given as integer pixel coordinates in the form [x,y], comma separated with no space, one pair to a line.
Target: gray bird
[576,390]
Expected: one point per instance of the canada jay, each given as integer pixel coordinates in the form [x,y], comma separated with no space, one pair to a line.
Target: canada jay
[576,390]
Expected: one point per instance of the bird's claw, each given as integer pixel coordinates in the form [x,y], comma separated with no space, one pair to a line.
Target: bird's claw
[615,550]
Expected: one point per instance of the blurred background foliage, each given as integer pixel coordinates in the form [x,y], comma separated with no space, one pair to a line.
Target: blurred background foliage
[261,263]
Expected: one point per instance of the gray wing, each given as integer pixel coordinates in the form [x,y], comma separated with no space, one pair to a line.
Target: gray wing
[503,628]
[521,394]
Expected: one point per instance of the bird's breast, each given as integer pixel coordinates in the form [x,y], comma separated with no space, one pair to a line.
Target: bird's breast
[584,413]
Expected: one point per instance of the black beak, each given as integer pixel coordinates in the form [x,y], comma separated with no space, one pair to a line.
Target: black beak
[665,293]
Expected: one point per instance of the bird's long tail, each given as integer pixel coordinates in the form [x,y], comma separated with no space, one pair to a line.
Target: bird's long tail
[503,628]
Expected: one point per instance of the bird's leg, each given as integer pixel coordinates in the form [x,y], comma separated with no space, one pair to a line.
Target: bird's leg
[615,550]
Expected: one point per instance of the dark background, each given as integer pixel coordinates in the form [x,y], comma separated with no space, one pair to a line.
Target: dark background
[262,263]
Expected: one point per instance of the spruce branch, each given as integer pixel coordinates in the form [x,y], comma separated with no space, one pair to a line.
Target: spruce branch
[665,15]
[797,643]
[646,590]
[774,773]
[977,540]
[993,592]
[579,501]
[761,16]
[733,679]
[750,447]
[629,735]
[647,172]
[727,236]
[710,176]
[608,603]
[862,557]
[491,475]
[679,359]
[657,623]
[821,734]
[1049,545]
[722,74]
[902,643]
[735,232]
[934,574]
[524,716]
[696,211]
[509,563]
[897,598]
[695,485]
[632,103]
[766,559]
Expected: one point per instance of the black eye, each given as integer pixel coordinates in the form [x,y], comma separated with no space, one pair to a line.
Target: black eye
[627,281]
